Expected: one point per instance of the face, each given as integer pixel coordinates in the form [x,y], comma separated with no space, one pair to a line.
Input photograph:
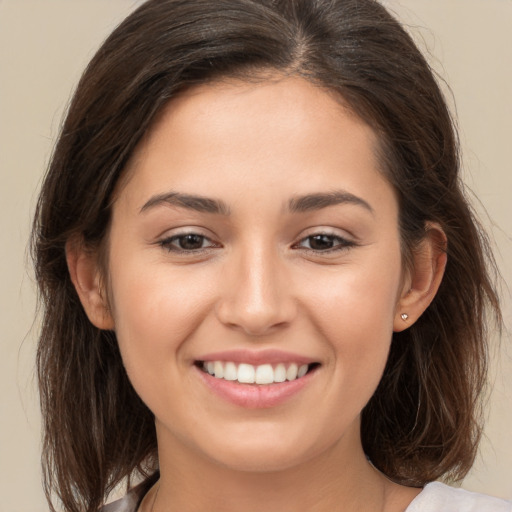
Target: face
[254,238]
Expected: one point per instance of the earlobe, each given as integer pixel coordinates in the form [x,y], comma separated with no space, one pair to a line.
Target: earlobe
[424,279]
[86,277]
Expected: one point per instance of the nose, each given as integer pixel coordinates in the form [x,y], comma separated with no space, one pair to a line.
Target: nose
[256,293]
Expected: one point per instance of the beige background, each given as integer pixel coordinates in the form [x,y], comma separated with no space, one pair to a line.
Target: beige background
[44,45]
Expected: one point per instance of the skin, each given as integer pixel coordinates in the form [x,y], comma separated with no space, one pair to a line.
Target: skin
[257,284]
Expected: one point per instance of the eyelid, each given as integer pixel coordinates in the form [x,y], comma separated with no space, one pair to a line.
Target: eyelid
[185,229]
[329,230]
[166,241]
[344,244]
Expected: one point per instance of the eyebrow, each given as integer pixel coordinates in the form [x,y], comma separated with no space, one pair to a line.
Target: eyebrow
[311,202]
[298,204]
[191,202]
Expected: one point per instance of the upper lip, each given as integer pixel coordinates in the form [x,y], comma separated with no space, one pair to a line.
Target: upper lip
[257,357]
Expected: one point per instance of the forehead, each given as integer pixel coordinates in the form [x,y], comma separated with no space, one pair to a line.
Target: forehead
[256,133]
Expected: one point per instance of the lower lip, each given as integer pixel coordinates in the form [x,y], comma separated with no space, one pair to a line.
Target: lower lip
[255,396]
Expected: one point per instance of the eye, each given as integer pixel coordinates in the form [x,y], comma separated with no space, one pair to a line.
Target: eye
[187,242]
[323,242]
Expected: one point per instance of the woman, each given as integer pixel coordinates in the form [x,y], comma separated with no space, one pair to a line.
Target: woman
[264,288]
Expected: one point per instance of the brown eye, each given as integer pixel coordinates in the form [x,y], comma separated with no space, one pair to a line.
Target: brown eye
[322,242]
[188,242]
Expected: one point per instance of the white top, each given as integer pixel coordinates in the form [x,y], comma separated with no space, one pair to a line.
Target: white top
[435,497]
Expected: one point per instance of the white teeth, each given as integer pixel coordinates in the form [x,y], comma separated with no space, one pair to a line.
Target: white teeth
[230,372]
[264,374]
[246,373]
[291,373]
[218,369]
[302,371]
[249,374]
[280,373]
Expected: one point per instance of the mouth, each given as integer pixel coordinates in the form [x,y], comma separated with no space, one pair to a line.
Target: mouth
[262,374]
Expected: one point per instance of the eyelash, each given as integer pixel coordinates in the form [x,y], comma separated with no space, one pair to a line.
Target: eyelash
[341,244]
[167,243]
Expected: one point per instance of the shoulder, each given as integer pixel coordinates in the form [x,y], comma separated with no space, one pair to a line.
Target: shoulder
[437,497]
[129,503]
[126,504]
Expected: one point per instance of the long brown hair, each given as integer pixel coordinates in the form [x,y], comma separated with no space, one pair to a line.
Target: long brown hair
[424,420]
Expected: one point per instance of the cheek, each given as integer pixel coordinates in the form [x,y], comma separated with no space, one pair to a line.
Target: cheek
[360,299]
[155,312]
[354,311]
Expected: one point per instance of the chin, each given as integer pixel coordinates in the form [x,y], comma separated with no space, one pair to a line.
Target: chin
[263,452]
[258,461]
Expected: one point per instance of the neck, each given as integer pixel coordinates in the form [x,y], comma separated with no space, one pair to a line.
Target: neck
[339,479]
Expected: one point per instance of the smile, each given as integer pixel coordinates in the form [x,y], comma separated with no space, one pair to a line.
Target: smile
[256,386]
[250,374]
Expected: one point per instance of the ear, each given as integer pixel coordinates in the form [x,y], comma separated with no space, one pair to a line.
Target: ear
[86,277]
[424,278]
